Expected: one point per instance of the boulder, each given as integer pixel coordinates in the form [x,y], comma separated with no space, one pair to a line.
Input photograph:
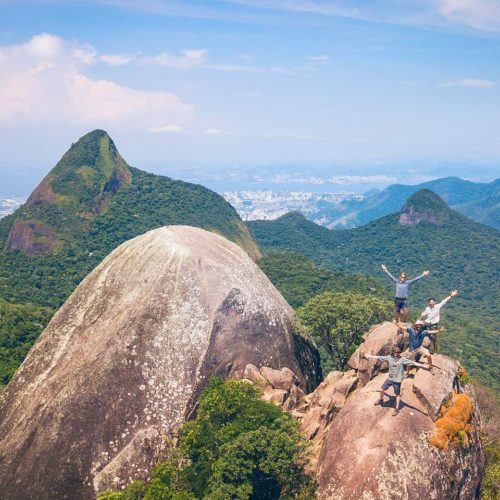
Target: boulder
[434,388]
[121,364]
[279,379]
[369,453]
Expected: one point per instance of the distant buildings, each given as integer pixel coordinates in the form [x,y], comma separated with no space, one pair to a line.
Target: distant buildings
[269,205]
[9,205]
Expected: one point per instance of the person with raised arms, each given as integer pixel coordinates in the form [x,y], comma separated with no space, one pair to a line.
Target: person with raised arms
[402,286]
[431,315]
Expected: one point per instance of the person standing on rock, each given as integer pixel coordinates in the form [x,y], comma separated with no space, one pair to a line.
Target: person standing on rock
[397,365]
[402,285]
[431,314]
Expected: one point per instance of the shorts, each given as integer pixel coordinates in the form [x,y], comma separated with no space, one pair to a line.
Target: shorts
[400,304]
[413,354]
[396,386]
[433,326]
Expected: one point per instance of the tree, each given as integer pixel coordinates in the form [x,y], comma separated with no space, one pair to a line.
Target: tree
[336,321]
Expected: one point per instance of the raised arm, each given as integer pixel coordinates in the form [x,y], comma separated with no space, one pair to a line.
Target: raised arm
[423,275]
[386,271]
[446,299]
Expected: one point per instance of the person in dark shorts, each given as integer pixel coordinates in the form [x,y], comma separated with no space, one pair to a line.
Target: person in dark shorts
[397,365]
[432,313]
[402,285]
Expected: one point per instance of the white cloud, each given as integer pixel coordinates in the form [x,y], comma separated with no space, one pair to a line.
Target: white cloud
[115,59]
[188,59]
[165,128]
[43,80]
[470,83]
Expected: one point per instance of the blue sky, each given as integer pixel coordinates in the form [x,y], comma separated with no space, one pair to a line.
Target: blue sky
[205,84]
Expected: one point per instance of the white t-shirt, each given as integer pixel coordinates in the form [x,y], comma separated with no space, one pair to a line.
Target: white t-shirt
[432,313]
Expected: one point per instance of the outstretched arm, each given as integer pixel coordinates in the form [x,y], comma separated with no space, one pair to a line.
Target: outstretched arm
[441,330]
[370,356]
[423,275]
[386,271]
[414,363]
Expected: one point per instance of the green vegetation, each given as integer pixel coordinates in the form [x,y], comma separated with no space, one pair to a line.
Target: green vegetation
[20,325]
[460,254]
[337,321]
[298,279]
[237,447]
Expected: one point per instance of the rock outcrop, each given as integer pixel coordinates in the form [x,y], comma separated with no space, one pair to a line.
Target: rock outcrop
[369,453]
[121,364]
[362,451]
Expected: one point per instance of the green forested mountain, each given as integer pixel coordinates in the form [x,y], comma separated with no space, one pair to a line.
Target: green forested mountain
[87,205]
[299,279]
[426,234]
[479,201]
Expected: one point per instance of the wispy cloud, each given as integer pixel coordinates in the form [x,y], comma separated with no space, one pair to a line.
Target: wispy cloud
[116,59]
[165,128]
[474,83]
[190,58]
[322,58]
[216,131]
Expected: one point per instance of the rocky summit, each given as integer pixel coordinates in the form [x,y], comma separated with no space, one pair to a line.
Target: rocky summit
[362,451]
[121,364]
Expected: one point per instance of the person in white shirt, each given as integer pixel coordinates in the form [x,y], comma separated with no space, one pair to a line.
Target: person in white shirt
[431,315]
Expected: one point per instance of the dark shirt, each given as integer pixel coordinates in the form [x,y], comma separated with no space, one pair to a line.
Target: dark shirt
[416,338]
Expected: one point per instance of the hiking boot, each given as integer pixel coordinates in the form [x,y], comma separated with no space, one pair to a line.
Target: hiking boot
[378,402]
[395,412]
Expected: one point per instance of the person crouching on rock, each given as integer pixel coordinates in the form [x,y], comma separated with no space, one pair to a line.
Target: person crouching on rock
[397,364]
[402,286]
[419,341]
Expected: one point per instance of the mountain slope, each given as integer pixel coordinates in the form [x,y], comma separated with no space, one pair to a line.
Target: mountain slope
[459,252]
[480,202]
[87,205]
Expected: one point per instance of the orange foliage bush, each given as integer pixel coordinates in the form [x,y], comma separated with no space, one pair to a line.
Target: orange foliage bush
[453,426]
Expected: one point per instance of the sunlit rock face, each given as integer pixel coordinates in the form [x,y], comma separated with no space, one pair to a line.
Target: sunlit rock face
[121,364]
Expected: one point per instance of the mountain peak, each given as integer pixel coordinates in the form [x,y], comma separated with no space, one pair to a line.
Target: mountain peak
[77,189]
[424,205]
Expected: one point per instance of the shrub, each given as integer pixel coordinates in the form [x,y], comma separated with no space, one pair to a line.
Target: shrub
[453,426]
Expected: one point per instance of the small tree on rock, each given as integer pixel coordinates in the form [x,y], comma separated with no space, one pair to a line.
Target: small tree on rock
[336,321]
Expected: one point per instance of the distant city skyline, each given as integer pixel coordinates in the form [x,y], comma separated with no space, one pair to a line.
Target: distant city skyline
[187,88]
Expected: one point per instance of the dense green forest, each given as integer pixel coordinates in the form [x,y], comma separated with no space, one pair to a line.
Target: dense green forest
[299,279]
[460,254]
[20,325]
